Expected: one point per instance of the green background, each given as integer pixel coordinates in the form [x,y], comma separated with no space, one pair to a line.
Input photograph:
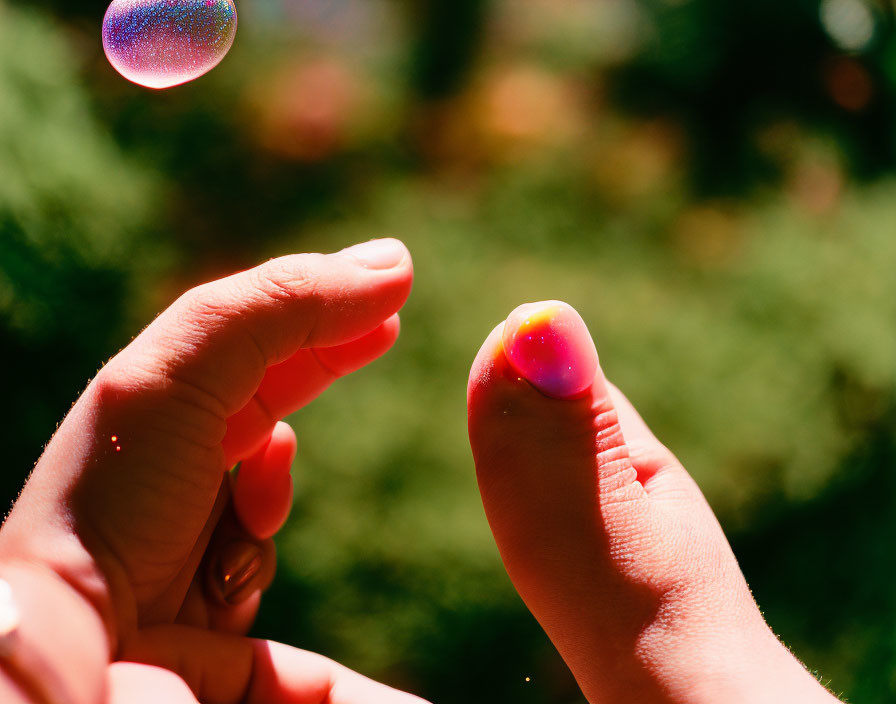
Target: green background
[712,184]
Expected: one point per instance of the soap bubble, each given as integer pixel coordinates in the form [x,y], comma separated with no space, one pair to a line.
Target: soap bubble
[163,43]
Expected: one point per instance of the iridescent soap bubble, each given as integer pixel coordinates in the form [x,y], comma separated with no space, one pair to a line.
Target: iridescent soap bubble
[162,43]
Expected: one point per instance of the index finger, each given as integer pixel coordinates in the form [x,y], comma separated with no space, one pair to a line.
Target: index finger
[219,338]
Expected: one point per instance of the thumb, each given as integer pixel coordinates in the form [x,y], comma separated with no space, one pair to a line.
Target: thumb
[608,541]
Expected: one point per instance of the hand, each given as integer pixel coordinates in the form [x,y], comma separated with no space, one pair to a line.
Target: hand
[607,539]
[130,505]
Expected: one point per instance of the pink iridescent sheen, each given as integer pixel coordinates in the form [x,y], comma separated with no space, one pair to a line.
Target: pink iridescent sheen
[162,43]
[548,344]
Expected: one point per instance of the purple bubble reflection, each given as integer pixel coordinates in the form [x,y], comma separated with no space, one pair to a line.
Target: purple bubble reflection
[162,43]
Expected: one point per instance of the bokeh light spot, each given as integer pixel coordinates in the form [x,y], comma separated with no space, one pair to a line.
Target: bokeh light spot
[849,83]
[849,23]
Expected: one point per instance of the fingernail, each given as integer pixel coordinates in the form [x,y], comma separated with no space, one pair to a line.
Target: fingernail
[377,254]
[236,566]
[548,344]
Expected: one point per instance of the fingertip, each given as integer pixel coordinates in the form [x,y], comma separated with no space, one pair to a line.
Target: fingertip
[392,328]
[384,254]
[388,275]
[280,452]
[342,296]
[136,683]
[285,674]
[263,489]
[548,344]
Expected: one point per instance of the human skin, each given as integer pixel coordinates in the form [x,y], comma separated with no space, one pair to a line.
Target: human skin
[606,537]
[131,570]
[119,549]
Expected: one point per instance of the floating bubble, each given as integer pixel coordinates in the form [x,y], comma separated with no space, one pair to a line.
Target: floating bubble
[163,43]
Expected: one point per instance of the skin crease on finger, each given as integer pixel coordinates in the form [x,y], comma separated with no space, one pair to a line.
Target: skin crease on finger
[625,566]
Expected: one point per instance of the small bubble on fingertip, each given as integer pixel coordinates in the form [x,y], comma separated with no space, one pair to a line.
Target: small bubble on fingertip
[549,345]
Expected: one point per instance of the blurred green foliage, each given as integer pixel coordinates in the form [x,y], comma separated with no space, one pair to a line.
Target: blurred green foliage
[709,183]
[72,209]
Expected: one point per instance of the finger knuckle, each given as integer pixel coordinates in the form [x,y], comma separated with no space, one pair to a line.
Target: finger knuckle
[160,402]
[288,278]
[205,302]
[119,381]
